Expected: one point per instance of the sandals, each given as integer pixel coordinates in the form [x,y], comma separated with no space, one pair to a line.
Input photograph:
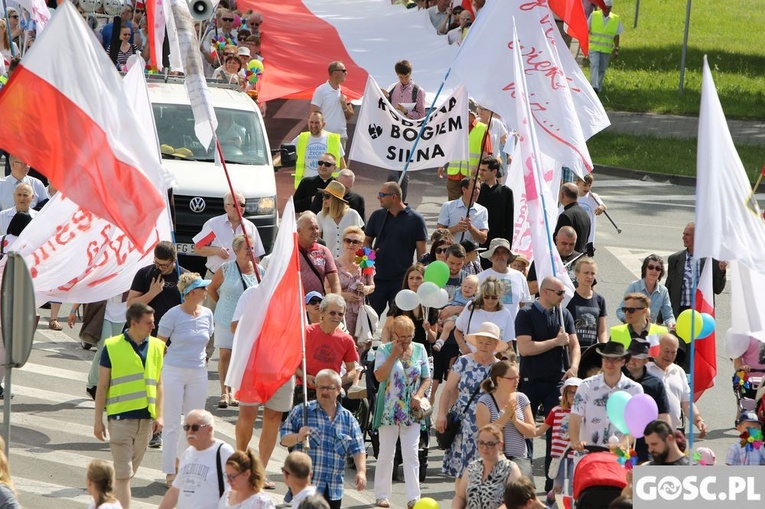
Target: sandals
[382,502]
[223,403]
[54,325]
[233,403]
[269,485]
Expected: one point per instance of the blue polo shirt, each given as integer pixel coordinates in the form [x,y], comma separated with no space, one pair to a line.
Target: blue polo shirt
[397,238]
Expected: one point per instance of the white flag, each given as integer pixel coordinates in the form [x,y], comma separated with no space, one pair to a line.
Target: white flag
[565,109]
[747,308]
[729,223]
[538,171]
[385,138]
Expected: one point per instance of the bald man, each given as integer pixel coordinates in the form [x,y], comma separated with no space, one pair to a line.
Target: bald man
[573,215]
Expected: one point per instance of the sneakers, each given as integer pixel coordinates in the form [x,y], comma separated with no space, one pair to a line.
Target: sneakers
[438,344]
[156,441]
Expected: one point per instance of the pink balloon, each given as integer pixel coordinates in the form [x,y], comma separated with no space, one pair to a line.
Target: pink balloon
[640,410]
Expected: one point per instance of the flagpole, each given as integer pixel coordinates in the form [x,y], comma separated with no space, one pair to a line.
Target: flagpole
[10,38]
[306,442]
[422,127]
[475,176]
[237,207]
[695,280]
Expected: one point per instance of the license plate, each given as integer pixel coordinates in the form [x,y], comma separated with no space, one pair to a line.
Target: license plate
[185,249]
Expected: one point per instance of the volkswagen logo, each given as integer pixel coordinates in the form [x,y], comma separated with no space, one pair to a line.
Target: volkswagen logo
[197,204]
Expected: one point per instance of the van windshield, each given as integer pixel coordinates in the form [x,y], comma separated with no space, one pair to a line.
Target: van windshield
[239,131]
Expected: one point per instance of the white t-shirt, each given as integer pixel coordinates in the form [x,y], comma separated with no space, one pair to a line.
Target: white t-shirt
[589,204]
[502,319]
[116,308]
[304,493]
[332,232]
[188,335]
[243,303]
[218,231]
[197,479]
[327,99]
[257,501]
[317,145]
[515,288]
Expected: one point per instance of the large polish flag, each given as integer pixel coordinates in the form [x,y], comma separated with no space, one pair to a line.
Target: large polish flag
[301,37]
[64,113]
[705,360]
[268,343]
[564,108]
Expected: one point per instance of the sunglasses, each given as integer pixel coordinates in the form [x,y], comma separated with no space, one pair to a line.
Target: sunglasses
[352,241]
[383,195]
[324,163]
[441,250]
[336,313]
[194,427]
[14,17]
[481,443]
[314,301]
[491,297]
[556,292]
[344,71]
[241,204]
[653,267]
[255,24]
[227,19]
[631,310]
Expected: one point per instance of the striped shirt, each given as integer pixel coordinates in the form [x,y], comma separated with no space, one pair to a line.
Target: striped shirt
[515,443]
[557,419]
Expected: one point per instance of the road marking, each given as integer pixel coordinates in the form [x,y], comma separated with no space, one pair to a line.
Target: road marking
[67,374]
[632,258]
[58,398]
[56,491]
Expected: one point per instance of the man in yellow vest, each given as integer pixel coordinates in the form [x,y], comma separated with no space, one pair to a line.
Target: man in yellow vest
[457,170]
[311,144]
[605,29]
[637,312]
[130,387]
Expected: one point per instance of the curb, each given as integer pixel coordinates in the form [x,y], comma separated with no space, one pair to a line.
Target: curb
[614,171]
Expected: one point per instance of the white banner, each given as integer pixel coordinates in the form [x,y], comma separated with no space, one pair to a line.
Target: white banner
[385,138]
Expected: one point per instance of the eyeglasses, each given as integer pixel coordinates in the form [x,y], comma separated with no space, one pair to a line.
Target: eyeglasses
[383,195]
[352,241]
[227,19]
[254,23]
[232,477]
[481,443]
[340,70]
[285,472]
[14,17]
[163,265]
[336,313]
[326,388]
[441,250]
[509,377]
[556,292]
[491,297]
[194,427]
[314,301]
[231,205]
[653,267]
[631,310]
[324,163]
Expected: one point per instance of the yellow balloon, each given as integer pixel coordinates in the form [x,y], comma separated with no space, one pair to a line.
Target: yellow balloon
[426,503]
[687,319]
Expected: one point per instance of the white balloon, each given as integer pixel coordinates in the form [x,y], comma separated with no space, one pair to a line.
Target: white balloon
[89,6]
[407,300]
[441,300]
[737,343]
[426,292]
[112,7]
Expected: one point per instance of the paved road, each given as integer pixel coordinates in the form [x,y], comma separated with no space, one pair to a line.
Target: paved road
[52,441]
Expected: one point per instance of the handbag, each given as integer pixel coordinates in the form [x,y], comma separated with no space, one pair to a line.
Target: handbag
[425,410]
[446,438]
[366,323]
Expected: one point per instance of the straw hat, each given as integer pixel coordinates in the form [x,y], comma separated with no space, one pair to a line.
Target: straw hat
[335,189]
[487,330]
[496,243]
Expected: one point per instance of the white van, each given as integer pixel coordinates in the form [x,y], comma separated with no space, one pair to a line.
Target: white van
[201,185]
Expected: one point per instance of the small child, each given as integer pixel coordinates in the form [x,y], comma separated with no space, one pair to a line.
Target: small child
[461,298]
[592,204]
[749,450]
[558,419]
[706,456]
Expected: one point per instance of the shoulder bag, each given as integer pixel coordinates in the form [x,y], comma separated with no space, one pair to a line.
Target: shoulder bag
[453,424]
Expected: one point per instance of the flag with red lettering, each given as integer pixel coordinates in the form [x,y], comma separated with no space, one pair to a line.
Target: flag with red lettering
[64,113]
[705,361]
[160,24]
[572,13]
[268,343]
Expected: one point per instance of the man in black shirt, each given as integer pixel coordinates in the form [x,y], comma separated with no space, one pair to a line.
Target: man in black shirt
[662,445]
[498,200]
[573,215]
[310,186]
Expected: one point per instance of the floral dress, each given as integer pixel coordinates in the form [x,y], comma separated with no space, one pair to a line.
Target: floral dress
[463,449]
[403,382]
[350,282]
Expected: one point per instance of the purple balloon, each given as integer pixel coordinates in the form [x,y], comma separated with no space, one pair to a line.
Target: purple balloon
[640,410]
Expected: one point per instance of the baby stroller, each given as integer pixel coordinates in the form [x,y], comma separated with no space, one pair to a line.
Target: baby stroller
[598,479]
[422,452]
[745,386]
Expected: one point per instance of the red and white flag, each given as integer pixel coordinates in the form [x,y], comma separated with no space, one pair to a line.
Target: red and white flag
[268,343]
[538,172]
[564,108]
[705,361]
[39,12]
[78,131]
[160,24]
[572,13]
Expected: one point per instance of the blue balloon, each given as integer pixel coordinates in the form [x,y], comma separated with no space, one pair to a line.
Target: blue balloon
[615,406]
[708,326]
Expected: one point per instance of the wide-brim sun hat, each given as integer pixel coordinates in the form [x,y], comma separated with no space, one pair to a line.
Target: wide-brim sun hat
[487,330]
[335,189]
[496,243]
[613,350]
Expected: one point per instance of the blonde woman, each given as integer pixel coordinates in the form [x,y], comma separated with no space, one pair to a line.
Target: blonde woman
[188,327]
[354,285]
[100,484]
[7,489]
[5,43]
[335,216]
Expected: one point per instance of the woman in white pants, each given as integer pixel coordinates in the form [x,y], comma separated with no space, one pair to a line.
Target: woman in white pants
[188,327]
[402,366]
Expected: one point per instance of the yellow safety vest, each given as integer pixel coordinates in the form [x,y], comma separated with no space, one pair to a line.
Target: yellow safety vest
[333,147]
[475,138]
[133,386]
[621,333]
[602,35]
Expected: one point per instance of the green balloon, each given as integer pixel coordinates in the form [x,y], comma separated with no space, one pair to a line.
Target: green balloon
[437,272]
